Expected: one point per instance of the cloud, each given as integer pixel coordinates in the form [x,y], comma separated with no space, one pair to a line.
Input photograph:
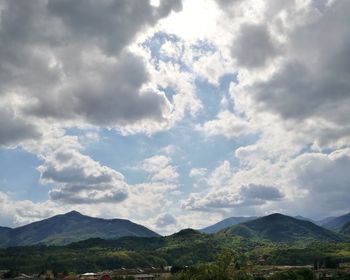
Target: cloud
[78,179]
[160,169]
[168,150]
[231,197]
[324,180]
[16,213]
[111,96]
[254,46]
[307,89]
[109,24]
[84,74]
[165,220]
[198,172]
[260,192]
[226,124]
[15,129]
[219,176]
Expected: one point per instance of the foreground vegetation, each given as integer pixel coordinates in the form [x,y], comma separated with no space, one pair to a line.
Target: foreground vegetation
[226,267]
[186,248]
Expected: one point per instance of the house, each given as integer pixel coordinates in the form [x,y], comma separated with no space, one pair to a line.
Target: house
[325,273]
[261,260]
[89,276]
[105,277]
[144,277]
[47,275]
[71,277]
[23,276]
[2,273]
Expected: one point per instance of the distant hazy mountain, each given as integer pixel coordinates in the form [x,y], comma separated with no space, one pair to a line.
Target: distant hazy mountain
[225,224]
[70,227]
[335,223]
[304,219]
[281,228]
[346,229]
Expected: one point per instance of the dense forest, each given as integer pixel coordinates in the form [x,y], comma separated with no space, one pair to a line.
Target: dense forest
[186,248]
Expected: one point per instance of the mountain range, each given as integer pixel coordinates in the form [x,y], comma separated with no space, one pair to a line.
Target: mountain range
[231,221]
[335,223]
[282,240]
[70,227]
[73,227]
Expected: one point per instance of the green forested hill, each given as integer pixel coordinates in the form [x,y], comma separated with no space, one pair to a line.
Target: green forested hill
[185,248]
[281,228]
[71,227]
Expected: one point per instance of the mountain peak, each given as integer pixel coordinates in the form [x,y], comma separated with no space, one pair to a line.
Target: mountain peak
[281,228]
[187,232]
[277,216]
[72,227]
[73,213]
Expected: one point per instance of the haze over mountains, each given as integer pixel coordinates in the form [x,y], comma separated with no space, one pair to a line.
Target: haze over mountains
[335,223]
[346,229]
[226,223]
[73,227]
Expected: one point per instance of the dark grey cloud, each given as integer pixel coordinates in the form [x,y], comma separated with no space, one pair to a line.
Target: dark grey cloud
[324,180]
[109,95]
[260,192]
[67,60]
[254,47]
[72,196]
[109,24]
[14,129]
[312,83]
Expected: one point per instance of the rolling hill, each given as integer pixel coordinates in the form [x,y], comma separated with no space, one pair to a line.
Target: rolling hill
[70,227]
[281,228]
[336,223]
[225,224]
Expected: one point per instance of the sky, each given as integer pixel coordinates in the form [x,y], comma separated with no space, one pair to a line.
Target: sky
[172,113]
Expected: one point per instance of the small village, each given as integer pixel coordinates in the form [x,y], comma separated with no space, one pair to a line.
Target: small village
[152,273]
[122,273]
